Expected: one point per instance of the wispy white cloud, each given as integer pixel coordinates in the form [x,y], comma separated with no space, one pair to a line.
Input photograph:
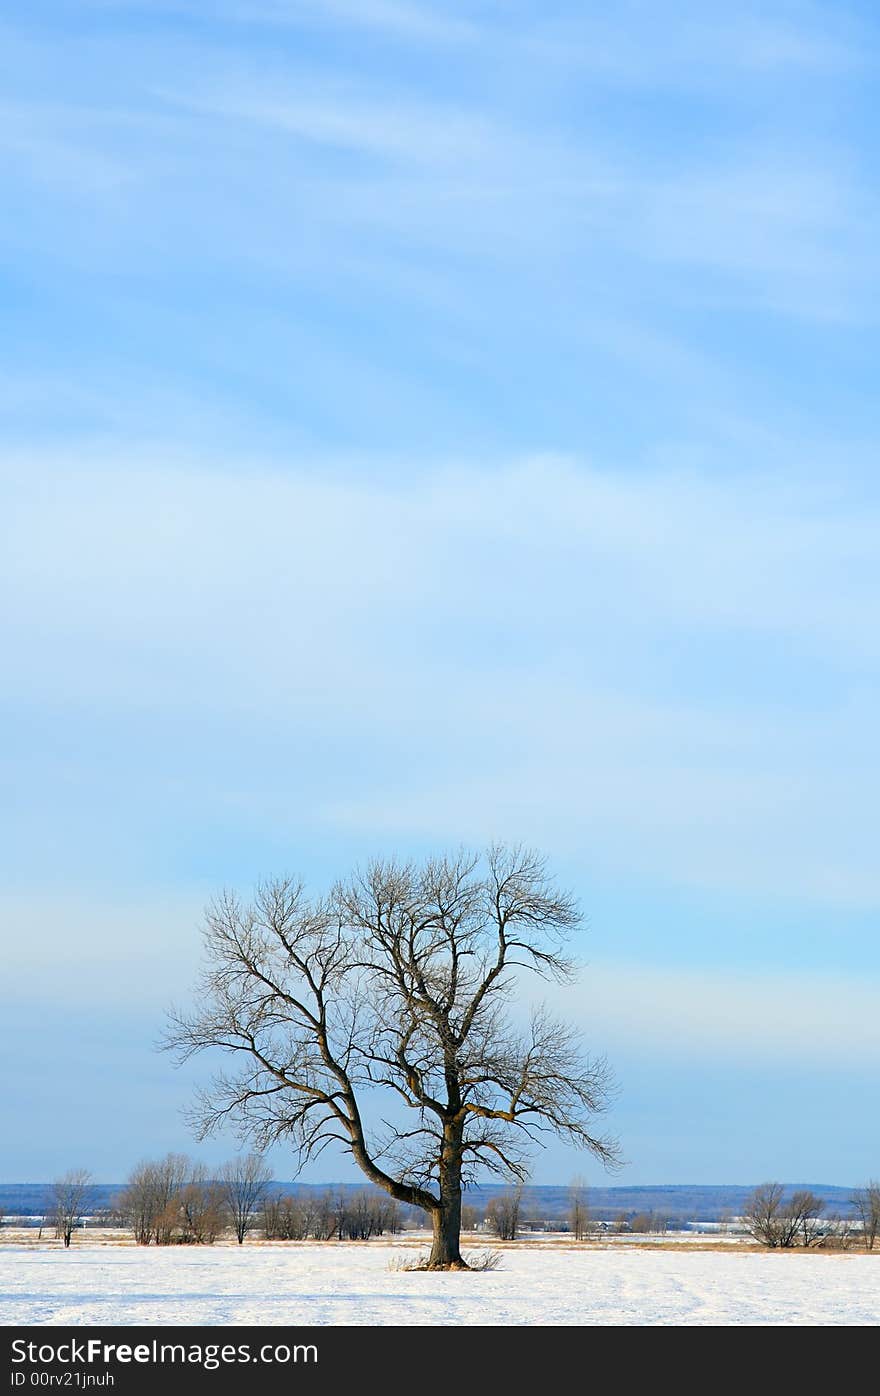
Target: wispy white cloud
[771,555]
[395,129]
[52,143]
[758,214]
[513,633]
[458,237]
[696,47]
[790,233]
[419,23]
[827,1020]
[83,946]
[395,19]
[791,236]
[87,947]
[632,43]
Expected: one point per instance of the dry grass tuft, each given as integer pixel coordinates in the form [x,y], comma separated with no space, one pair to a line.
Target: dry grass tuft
[476,1261]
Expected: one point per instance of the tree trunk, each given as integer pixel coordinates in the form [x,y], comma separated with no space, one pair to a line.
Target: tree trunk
[446,1246]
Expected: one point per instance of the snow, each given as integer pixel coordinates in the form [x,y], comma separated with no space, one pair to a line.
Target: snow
[357,1283]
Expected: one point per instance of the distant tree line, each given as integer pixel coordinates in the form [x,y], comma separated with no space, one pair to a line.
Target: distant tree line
[783,1222]
[330,1215]
[177,1201]
[174,1201]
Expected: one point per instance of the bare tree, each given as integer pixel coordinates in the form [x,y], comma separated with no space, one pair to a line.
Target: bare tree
[399,979]
[150,1201]
[136,1205]
[781,1223]
[244,1182]
[170,1176]
[388,1216]
[503,1213]
[359,1217]
[271,1214]
[325,1217]
[836,1233]
[470,1217]
[801,1213]
[578,1209]
[66,1202]
[761,1214]
[648,1223]
[351,1216]
[287,1218]
[866,1204]
[198,1210]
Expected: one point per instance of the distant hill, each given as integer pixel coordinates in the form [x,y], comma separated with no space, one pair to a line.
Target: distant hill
[677,1203]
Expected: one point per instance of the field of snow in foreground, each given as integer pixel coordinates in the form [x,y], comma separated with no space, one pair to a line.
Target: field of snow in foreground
[352,1283]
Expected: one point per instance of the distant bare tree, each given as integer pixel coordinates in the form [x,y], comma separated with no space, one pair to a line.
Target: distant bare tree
[801,1212]
[578,1209]
[761,1213]
[171,1175]
[270,1216]
[398,980]
[340,1210]
[836,1232]
[470,1217]
[350,1216]
[866,1204]
[503,1213]
[244,1182]
[648,1223]
[137,1206]
[382,1214]
[389,1216]
[198,1210]
[66,1202]
[150,1202]
[325,1217]
[779,1223]
[286,1218]
[358,1217]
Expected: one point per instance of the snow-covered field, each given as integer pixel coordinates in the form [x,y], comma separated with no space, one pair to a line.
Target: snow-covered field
[356,1283]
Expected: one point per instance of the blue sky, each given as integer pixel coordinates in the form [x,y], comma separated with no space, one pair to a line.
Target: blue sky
[432,423]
